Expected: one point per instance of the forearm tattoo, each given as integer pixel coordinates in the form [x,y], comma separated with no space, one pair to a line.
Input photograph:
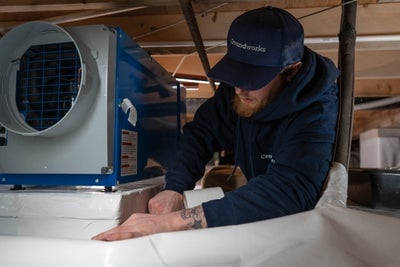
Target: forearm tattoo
[194,217]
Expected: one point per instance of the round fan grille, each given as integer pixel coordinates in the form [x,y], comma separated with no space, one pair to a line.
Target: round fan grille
[48,79]
[47,83]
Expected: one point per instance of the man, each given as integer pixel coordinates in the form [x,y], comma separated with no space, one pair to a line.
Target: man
[277,108]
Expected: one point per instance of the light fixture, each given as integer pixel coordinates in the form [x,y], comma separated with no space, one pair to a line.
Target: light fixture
[187,80]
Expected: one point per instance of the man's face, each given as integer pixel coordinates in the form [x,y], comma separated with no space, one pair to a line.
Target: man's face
[247,103]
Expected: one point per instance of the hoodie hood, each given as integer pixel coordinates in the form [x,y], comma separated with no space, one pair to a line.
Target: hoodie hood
[311,83]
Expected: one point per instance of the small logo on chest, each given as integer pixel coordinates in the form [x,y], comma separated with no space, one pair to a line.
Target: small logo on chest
[267,157]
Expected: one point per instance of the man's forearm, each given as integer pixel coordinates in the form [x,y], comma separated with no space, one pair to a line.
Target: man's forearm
[194,218]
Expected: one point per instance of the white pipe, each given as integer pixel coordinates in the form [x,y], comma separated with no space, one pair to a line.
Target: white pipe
[377,103]
[310,40]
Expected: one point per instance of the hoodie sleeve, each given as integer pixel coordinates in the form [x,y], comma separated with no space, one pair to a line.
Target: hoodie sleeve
[211,130]
[291,182]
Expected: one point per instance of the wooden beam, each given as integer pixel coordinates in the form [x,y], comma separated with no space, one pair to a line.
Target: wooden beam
[47,4]
[77,16]
[90,14]
[58,7]
[382,87]
[364,120]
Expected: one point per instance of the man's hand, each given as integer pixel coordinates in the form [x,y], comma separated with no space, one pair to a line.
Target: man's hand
[140,224]
[165,202]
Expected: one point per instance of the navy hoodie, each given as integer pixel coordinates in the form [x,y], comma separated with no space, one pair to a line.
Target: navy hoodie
[285,150]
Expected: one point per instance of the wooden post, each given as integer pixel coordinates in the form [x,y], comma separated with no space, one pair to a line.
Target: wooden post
[347,39]
[191,21]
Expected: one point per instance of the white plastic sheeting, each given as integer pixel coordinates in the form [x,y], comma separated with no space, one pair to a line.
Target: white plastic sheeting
[330,235]
[327,236]
[78,213]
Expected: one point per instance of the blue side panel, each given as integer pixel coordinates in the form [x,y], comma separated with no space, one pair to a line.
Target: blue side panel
[128,84]
[159,103]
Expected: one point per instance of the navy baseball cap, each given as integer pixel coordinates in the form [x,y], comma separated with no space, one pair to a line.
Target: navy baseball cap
[260,43]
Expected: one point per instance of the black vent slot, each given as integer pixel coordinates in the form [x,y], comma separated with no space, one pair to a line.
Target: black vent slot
[47,83]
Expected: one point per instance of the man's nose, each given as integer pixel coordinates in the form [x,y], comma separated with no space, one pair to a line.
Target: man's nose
[239,91]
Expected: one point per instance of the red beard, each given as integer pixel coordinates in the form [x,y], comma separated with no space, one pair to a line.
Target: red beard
[247,109]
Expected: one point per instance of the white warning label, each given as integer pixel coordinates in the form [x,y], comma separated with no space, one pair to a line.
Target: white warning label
[129,150]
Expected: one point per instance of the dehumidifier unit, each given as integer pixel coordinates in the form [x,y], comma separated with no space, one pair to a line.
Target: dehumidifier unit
[83,105]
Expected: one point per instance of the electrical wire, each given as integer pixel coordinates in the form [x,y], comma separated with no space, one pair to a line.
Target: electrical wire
[193,53]
[178,22]
[326,9]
